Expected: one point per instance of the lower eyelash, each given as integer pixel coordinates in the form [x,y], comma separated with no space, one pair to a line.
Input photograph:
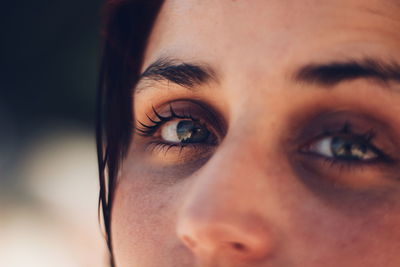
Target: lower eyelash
[162,147]
[349,165]
[165,147]
[345,165]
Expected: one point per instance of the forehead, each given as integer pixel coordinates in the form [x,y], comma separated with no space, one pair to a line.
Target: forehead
[260,31]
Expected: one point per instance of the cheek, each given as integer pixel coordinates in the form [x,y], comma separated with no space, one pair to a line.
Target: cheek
[316,226]
[337,238]
[143,223]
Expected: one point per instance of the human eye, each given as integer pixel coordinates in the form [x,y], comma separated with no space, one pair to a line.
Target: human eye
[350,151]
[183,130]
[345,146]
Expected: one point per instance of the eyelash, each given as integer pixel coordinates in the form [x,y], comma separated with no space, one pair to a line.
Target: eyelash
[365,138]
[149,130]
[146,130]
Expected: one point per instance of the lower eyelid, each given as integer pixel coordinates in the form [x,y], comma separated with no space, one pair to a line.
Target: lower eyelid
[178,154]
[317,156]
[326,170]
[373,173]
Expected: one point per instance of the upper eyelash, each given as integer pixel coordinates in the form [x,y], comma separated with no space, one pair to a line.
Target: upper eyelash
[149,130]
[347,129]
[365,138]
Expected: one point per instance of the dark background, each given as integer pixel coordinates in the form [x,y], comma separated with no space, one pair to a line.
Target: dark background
[49,61]
[49,53]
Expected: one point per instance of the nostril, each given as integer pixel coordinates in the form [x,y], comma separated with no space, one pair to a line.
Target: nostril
[224,236]
[239,247]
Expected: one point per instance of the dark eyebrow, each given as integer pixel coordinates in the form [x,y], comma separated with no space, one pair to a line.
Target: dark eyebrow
[188,75]
[331,74]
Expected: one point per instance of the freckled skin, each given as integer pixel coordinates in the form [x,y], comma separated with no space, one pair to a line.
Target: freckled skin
[246,204]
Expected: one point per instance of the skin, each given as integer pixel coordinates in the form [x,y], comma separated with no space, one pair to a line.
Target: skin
[254,199]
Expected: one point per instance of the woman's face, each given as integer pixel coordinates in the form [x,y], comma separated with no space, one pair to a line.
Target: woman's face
[267,134]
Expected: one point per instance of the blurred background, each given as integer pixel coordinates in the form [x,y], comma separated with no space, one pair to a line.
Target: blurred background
[48,174]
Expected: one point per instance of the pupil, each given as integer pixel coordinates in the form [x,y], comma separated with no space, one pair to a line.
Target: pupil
[191,132]
[347,148]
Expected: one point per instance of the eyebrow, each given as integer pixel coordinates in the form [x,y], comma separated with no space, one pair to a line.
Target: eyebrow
[192,75]
[189,75]
[331,74]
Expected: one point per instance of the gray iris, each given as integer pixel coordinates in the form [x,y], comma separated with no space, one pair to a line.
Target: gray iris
[191,132]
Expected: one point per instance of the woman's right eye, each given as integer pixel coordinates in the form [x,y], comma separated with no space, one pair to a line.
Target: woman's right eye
[184,131]
[183,127]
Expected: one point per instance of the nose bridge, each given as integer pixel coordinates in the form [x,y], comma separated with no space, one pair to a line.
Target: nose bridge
[228,177]
[222,211]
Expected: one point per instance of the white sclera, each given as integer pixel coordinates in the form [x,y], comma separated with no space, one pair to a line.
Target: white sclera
[169,131]
[323,147]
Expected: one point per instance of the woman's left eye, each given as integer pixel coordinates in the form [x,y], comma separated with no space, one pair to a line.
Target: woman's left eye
[345,148]
[184,131]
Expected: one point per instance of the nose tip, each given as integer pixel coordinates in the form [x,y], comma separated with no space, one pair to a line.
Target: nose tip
[229,240]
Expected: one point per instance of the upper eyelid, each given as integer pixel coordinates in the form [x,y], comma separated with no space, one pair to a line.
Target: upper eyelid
[173,114]
[151,129]
[365,138]
[346,129]
[192,109]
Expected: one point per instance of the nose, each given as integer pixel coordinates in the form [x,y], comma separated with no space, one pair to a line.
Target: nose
[222,215]
[215,239]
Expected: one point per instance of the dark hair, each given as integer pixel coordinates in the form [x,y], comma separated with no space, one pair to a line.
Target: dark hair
[127,25]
